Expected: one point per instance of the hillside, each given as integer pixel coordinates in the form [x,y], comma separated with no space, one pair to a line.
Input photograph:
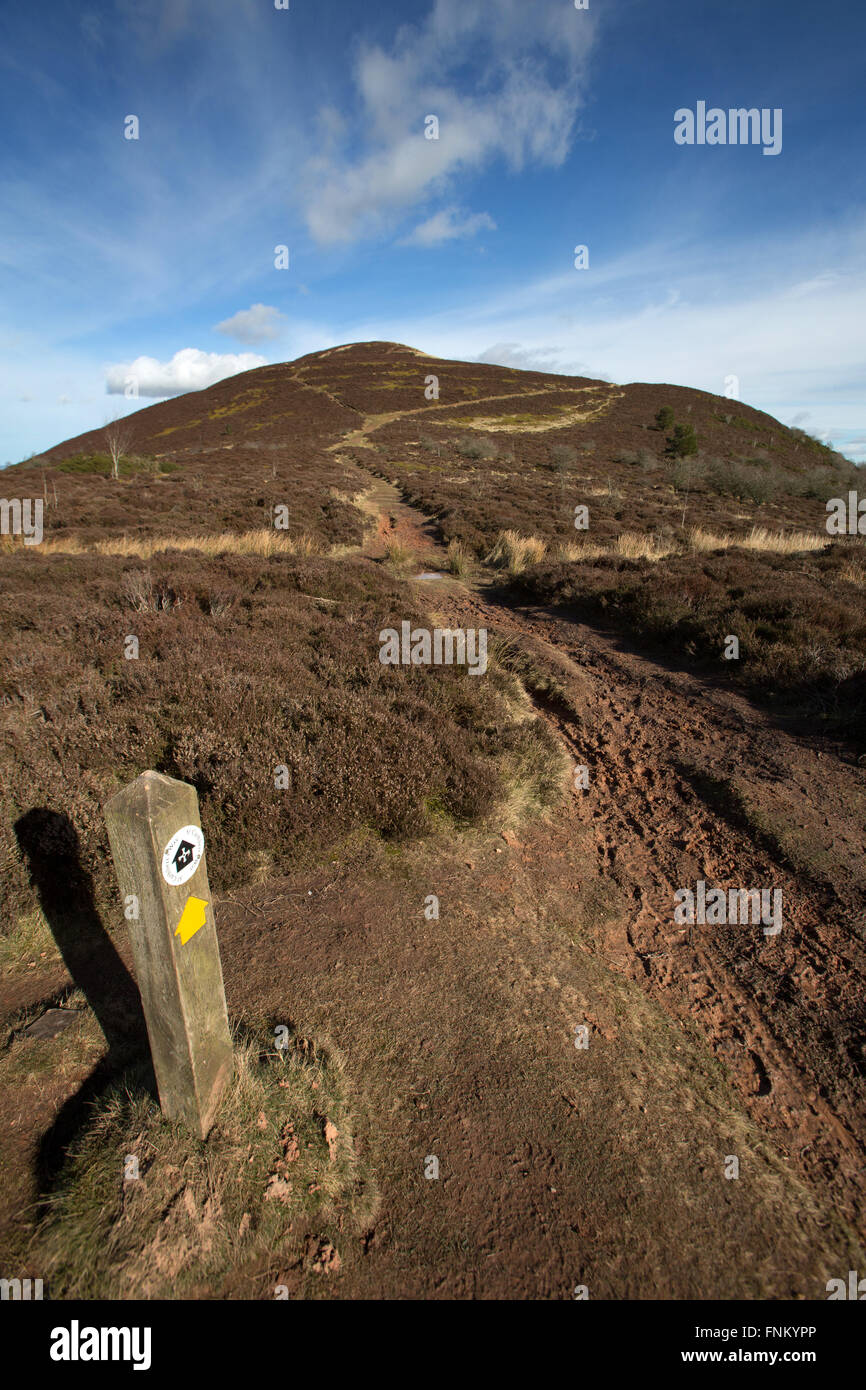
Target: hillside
[508,451]
[259,537]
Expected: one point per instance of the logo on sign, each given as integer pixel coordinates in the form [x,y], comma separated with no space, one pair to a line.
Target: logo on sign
[182,855]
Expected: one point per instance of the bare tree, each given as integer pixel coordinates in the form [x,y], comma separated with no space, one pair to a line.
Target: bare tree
[118,437]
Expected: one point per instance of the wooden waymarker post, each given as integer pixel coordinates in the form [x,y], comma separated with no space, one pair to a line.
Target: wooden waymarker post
[158,850]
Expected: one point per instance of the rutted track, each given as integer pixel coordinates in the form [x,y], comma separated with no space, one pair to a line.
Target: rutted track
[783,1013]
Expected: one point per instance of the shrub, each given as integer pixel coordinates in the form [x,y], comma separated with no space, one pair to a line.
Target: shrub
[146,596]
[757,489]
[220,602]
[822,483]
[563,456]
[734,480]
[664,418]
[86,463]
[683,441]
[101,465]
[469,448]
[683,477]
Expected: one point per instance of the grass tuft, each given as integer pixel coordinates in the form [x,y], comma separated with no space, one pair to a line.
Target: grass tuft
[515,553]
[280,1159]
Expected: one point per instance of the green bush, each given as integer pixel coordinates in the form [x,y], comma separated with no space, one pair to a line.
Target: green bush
[665,418]
[101,465]
[87,463]
[683,441]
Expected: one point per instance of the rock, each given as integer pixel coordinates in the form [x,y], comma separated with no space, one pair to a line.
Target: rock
[49,1024]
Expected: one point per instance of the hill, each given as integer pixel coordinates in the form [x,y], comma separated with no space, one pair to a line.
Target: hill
[679,551]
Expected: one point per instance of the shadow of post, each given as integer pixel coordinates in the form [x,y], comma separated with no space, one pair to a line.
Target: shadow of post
[49,843]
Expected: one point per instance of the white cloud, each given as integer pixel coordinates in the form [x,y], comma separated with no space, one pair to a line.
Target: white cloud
[189,370]
[258,324]
[528,64]
[446,226]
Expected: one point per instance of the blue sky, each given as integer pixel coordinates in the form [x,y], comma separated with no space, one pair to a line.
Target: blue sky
[153,259]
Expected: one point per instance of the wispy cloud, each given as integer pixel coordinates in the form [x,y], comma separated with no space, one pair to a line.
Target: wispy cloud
[448,225]
[523,109]
[535,359]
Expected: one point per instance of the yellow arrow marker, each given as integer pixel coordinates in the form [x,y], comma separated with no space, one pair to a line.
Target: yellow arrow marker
[192,917]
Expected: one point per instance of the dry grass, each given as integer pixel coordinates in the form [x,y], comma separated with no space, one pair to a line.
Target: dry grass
[855,574]
[631,545]
[28,943]
[634,545]
[759,538]
[281,1156]
[458,558]
[397,556]
[515,552]
[264,541]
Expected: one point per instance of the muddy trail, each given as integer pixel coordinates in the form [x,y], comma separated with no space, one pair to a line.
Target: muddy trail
[600,1168]
[784,1013]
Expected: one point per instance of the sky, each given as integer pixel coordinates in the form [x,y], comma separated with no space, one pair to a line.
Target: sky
[150,264]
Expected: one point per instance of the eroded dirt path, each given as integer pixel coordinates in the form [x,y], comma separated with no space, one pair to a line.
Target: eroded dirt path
[360,438]
[785,1013]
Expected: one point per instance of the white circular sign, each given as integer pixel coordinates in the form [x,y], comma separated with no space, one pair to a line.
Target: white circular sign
[182,855]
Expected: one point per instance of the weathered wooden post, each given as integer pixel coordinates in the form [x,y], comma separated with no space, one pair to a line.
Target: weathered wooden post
[158,850]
